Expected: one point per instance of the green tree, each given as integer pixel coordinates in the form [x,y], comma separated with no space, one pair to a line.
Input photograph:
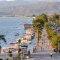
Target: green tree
[54,41]
[33,15]
[52,34]
[19,49]
[44,17]
[38,24]
[2,37]
[19,41]
[56,16]
[0,48]
[58,22]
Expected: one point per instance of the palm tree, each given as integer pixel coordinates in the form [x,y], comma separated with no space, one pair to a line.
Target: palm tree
[38,24]
[2,37]
[0,48]
[19,49]
[44,17]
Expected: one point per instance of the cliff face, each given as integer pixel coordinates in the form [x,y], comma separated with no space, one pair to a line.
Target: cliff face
[28,9]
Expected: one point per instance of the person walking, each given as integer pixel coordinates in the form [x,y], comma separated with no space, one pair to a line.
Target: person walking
[51,55]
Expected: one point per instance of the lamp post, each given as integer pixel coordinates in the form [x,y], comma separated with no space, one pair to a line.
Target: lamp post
[19,50]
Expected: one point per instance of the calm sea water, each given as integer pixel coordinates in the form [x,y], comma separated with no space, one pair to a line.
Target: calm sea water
[9,26]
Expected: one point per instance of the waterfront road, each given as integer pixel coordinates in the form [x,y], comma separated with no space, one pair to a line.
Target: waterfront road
[44,57]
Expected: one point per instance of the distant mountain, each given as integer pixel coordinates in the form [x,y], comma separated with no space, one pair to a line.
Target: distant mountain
[12,3]
[25,8]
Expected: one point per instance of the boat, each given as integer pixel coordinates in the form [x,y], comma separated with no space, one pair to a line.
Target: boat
[17,34]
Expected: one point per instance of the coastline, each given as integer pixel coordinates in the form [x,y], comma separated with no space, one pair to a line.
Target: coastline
[15,17]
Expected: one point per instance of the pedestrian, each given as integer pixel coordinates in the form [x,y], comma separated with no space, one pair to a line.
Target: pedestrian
[10,52]
[51,55]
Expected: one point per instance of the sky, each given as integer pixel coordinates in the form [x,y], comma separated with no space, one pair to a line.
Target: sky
[31,0]
[7,0]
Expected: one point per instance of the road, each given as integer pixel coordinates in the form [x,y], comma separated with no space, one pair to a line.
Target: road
[44,57]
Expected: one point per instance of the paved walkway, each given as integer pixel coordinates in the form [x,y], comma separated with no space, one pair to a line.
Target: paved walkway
[45,58]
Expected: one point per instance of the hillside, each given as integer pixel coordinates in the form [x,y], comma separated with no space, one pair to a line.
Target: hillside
[28,9]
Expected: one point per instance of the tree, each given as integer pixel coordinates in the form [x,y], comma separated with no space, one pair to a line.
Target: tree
[54,41]
[38,24]
[53,37]
[44,17]
[56,16]
[33,15]
[19,49]
[0,48]
[58,22]
[19,41]
[2,37]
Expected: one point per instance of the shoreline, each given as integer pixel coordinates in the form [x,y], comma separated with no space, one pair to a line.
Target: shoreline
[15,17]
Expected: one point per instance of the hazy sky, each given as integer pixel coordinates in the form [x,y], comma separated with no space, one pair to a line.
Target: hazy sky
[31,0]
[7,0]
